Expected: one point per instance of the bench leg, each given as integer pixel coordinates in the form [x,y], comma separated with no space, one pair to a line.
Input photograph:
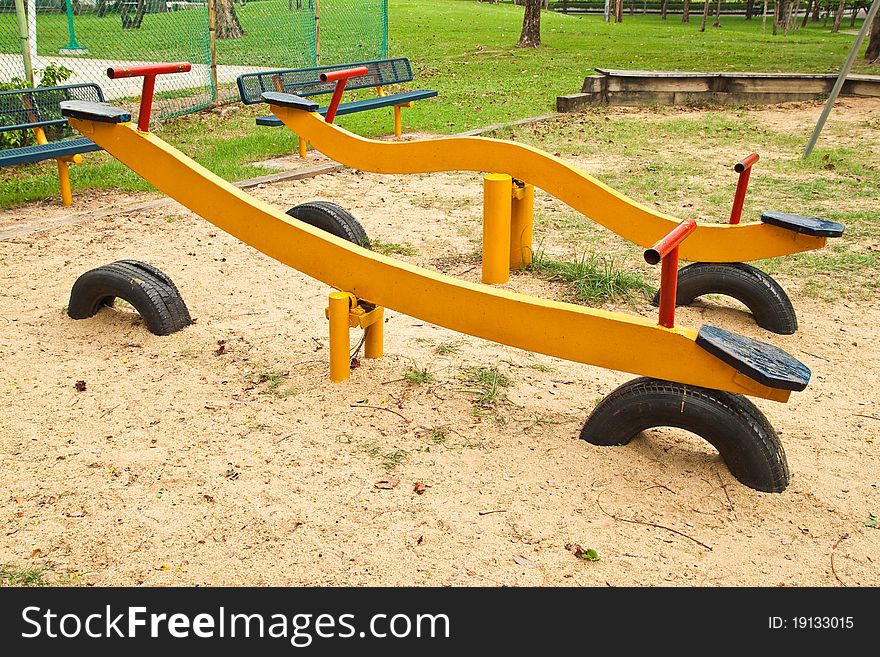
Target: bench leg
[64,177]
[398,122]
[303,146]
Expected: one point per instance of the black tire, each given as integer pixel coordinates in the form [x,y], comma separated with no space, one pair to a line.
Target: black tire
[333,219]
[158,303]
[174,300]
[763,296]
[729,422]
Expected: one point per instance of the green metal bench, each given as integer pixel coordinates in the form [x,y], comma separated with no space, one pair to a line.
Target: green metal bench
[38,109]
[306,82]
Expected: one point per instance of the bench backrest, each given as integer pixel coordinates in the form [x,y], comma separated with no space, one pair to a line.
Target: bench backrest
[306,81]
[40,107]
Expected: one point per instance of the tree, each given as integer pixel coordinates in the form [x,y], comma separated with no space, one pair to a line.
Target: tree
[531,29]
[686,12]
[717,22]
[750,9]
[838,16]
[705,16]
[227,25]
[663,7]
[873,51]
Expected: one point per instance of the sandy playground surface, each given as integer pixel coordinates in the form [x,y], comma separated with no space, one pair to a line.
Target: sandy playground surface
[223,455]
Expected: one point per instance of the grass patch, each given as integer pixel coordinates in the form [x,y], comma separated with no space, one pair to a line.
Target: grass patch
[487,386]
[389,460]
[13,576]
[438,435]
[592,279]
[417,375]
[392,248]
[275,381]
[448,348]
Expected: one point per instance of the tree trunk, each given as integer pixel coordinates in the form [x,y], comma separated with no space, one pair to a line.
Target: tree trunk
[632,7]
[764,19]
[838,16]
[686,12]
[531,29]
[717,22]
[855,12]
[750,9]
[618,11]
[228,26]
[807,14]
[817,9]
[663,7]
[873,51]
[775,17]
[705,15]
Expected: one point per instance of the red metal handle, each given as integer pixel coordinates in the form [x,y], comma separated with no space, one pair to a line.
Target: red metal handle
[149,72]
[747,163]
[744,169]
[115,72]
[341,77]
[345,73]
[666,250]
[665,246]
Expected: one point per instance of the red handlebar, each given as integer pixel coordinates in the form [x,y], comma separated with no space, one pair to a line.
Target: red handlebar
[138,70]
[341,77]
[344,74]
[665,251]
[747,163]
[149,72]
[665,245]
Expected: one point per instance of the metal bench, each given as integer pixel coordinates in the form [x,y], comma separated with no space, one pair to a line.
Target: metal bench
[306,82]
[38,109]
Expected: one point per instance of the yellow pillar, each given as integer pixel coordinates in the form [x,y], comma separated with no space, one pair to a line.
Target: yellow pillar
[340,358]
[303,145]
[398,122]
[375,336]
[64,177]
[496,227]
[521,219]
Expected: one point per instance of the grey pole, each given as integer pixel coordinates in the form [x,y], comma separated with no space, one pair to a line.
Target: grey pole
[847,65]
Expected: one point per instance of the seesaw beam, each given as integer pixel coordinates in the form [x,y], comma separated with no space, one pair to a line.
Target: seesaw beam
[597,337]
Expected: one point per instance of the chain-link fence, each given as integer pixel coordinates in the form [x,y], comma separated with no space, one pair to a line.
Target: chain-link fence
[88,36]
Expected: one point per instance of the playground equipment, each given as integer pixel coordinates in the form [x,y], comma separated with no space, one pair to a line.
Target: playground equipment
[695,380]
[718,251]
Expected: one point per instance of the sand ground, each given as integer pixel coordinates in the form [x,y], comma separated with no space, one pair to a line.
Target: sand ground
[182,463]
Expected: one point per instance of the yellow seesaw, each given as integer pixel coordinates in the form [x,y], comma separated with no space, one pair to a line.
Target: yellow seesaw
[696,379]
[719,250]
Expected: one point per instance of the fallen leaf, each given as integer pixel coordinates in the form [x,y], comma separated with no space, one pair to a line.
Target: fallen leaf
[80,386]
[523,561]
[387,484]
[420,488]
[221,348]
[36,554]
[587,555]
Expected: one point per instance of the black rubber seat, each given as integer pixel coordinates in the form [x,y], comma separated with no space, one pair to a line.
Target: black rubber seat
[806,225]
[79,109]
[290,100]
[758,360]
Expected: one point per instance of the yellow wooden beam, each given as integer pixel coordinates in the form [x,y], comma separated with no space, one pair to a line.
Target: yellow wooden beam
[598,337]
[631,220]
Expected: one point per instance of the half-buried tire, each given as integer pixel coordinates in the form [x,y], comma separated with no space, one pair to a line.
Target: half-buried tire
[149,290]
[729,422]
[333,219]
[761,294]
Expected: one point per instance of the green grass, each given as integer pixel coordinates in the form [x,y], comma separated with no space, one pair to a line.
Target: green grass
[392,248]
[13,576]
[487,386]
[462,48]
[592,279]
[417,375]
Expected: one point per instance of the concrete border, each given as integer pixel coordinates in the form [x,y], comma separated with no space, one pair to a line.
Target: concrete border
[618,87]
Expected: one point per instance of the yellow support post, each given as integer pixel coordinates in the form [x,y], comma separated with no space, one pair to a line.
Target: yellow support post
[64,177]
[340,358]
[521,220]
[303,146]
[496,227]
[375,335]
[398,122]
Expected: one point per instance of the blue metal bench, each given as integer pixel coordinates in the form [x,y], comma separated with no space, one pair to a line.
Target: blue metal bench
[306,82]
[38,109]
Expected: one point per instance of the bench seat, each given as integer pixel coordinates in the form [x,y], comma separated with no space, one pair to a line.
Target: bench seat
[361,105]
[50,151]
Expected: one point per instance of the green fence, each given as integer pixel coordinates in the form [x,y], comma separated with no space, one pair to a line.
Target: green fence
[88,36]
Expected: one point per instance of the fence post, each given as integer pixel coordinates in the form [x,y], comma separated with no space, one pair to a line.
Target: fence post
[212,36]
